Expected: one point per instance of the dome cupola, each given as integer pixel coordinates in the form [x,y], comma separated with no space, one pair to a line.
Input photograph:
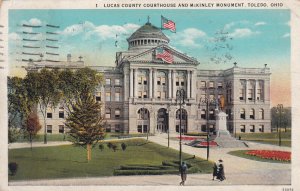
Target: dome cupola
[146,37]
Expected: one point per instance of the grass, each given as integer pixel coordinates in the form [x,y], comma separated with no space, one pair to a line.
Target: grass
[70,161]
[268,138]
[40,138]
[242,153]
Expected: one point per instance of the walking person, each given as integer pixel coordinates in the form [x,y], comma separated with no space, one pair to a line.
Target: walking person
[215,171]
[183,172]
[221,173]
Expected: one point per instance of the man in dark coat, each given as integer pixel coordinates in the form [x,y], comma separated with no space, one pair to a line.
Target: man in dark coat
[221,173]
[183,172]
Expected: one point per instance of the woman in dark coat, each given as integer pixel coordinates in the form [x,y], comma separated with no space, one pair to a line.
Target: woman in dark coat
[221,173]
[215,171]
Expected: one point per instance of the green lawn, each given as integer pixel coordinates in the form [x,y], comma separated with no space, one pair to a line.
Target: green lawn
[267,138]
[69,161]
[241,153]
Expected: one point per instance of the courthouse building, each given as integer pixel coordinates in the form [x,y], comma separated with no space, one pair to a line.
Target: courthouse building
[139,93]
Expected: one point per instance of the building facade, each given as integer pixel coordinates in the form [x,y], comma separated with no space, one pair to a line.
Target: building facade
[139,93]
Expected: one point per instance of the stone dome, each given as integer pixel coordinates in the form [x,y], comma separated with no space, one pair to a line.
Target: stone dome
[147,36]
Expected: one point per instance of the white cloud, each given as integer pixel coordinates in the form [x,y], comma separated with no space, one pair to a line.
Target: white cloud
[243,32]
[286,35]
[102,31]
[33,21]
[229,25]
[260,23]
[188,37]
[14,36]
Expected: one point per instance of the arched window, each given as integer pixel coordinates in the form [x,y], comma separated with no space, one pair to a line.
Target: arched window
[211,114]
[242,114]
[203,114]
[261,113]
[143,113]
[252,114]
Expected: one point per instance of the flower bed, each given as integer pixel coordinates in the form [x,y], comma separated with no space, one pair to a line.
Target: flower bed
[272,155]
[186,138]
[204,144]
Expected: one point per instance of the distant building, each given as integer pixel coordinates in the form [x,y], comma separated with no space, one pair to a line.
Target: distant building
[139,93]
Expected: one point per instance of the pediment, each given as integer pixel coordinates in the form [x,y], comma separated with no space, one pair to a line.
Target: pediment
[150,56]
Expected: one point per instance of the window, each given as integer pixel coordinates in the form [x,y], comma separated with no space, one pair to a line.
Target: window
[243,128]
[140,94]
[220,85]
[261,128]
[182,82]
[242,114]
[107,114]
[158,95]
[145,94]
[158,81]
[61,113]
[177,128]
[49,115]
[211,128]
[250,94]
[107,81]
[140,80]
[117,128]
[139,129]
[203,128]
[203,84]
[98,96]
[144,80]
[203,114]
[107,96]
[211,84]
[61,129]
[163,95]
[117,82]
[117,113]
[49,128]
[252,128]
[177,81]
[259,94]
[211,97]
[108,128]
[145,128]
[252,114]
[261,114]
[117,96]
[241,94]
[163,81]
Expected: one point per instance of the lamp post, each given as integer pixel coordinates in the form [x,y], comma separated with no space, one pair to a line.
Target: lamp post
[180,96]
[208,103]
[279,111]
[167,121]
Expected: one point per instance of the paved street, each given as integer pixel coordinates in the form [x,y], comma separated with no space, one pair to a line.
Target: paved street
[238,171]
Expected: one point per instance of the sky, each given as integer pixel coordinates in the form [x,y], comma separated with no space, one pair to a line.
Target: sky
[216,38]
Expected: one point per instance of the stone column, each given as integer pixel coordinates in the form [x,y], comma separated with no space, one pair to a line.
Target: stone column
[188,85]
[169,84]
[193,84]
[154,83]
[131,82]
[135,82]
[174,83]
[246,90]
[150,83]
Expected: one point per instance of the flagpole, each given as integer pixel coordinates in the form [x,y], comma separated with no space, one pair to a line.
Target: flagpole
[161,17]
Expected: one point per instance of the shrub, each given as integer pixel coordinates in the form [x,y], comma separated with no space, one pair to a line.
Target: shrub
[109,145]
[123,145]
[114,147]
[101,147]
[13,167]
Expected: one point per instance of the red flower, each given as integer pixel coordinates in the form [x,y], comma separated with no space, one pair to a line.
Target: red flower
[269,154]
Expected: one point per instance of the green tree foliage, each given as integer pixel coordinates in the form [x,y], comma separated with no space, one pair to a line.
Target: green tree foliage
[85,122]
[73,84]
[43,88]
[286,118]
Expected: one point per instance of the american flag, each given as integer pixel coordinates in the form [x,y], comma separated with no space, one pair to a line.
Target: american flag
[165,55]
[168,24]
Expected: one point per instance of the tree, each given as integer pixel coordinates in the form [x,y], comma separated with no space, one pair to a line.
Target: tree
[33,126]
[19,107]
[85,122]
[286,118]
[43,89]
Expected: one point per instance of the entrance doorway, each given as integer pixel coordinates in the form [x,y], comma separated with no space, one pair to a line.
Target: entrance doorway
[162,121]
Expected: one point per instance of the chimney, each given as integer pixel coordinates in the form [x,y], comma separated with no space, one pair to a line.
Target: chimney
[69,58]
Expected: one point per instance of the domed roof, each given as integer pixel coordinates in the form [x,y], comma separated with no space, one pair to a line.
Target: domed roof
[148,31]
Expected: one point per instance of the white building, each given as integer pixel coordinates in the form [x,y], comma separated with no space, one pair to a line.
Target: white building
[139,93]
